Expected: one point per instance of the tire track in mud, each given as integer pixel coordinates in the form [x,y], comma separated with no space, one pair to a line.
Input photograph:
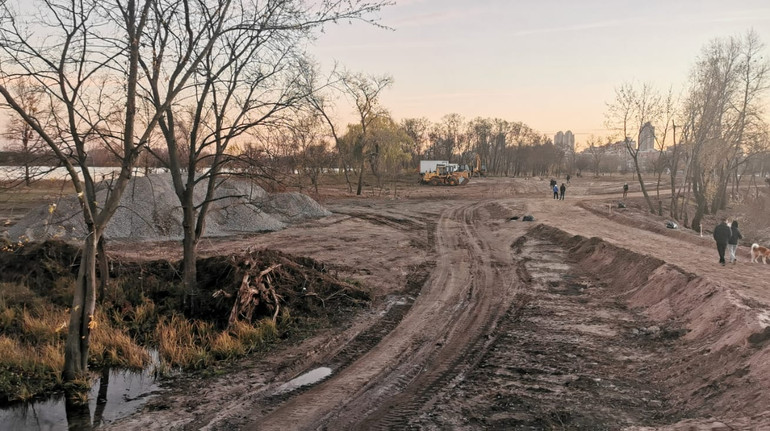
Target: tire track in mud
[411,386]
[458,305]
[564,356]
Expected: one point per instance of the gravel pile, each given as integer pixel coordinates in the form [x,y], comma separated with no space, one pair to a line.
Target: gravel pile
[150,209]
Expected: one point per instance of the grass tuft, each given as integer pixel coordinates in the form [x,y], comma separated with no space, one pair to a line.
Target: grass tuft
[28,371]
[111,346]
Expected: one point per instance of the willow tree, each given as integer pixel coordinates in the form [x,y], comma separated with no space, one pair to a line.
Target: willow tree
[365,91]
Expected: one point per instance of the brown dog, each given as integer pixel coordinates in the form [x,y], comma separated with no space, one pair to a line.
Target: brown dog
[758,251]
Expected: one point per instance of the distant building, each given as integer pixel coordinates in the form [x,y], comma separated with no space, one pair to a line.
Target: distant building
[647,138]
[558,139]
[566,139]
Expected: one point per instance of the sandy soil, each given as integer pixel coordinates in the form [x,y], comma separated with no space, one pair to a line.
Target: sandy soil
[485,322]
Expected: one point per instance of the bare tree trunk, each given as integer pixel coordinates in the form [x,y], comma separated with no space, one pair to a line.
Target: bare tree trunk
[701,203]
[104,268]
[641,184]
[83,304]
[360,178]
[189,246]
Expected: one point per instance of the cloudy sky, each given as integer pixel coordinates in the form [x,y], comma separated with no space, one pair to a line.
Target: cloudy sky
[553,64]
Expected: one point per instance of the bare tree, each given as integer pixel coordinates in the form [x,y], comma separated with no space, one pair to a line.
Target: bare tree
[668,153]
[250,75]
[632,109]
[319,101]
[25,141]
[446,136]
[417,130]
[84,56]
[723,111]
[597,152]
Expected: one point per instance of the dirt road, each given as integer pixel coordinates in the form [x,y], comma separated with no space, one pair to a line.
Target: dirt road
[484,322]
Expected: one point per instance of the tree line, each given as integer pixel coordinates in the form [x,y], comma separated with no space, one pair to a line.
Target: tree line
[712,138]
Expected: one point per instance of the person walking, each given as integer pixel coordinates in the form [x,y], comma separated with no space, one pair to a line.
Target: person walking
[722,236]
[732,244]
[555,191]
[562,189]
[625,190]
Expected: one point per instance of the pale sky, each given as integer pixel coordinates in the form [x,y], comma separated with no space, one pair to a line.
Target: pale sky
[551,64]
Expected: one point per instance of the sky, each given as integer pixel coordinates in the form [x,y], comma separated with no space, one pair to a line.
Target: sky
[552,64]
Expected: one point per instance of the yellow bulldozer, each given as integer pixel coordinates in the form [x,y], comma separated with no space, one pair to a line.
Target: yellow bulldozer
[446,175]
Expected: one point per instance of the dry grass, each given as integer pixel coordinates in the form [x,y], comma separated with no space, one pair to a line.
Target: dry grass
[29,370]
[113,347]
[45,327]
[7,316]
[178,344]
[187,344]
[225,346]
[255,336]
[144,313]
[14,294]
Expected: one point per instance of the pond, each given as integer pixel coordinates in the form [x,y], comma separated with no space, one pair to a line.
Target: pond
[114,395]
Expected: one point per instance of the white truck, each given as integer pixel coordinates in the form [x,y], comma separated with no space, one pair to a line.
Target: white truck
[430,165]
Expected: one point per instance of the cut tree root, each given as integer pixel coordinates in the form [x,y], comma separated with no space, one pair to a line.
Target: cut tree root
[252,292]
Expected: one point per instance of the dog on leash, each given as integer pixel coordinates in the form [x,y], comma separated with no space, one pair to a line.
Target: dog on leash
[758,251]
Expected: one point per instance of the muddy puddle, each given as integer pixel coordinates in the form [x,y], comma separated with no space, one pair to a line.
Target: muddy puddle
[114,395]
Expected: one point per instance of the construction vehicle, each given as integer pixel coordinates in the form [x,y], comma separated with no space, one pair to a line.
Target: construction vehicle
[479,169]
[430,165]
[446,174]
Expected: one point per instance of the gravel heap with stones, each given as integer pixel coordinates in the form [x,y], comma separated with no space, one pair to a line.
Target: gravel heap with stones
[150,209]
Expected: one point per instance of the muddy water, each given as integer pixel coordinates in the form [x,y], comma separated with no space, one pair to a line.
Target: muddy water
[115,394]
[309,378]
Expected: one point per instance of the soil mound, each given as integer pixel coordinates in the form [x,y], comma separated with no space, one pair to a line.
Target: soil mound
[303,285]
[149,209]
[43,267]
[719,366]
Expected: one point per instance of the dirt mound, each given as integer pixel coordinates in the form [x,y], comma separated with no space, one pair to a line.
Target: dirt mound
[720,367]
[305,286]
[150,209]
[44,267]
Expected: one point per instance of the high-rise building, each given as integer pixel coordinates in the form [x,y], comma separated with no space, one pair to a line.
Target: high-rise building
[647,138]
[569,140]
[566,139]
[558,139]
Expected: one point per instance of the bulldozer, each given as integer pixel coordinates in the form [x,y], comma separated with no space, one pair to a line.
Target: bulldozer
[445,175]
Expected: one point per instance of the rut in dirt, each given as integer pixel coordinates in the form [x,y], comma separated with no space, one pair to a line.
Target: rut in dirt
[457,306]
[567,355]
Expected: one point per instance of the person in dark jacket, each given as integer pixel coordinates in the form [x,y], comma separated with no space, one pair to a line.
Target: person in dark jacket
[722,236]
[732,244]
[562,189]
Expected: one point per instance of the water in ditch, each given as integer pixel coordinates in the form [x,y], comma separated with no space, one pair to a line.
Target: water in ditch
[114,395]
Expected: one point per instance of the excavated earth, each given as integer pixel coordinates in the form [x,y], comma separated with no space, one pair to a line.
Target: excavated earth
[581,319]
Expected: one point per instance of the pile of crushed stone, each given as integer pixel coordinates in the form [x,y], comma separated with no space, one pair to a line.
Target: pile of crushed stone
[150,209]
